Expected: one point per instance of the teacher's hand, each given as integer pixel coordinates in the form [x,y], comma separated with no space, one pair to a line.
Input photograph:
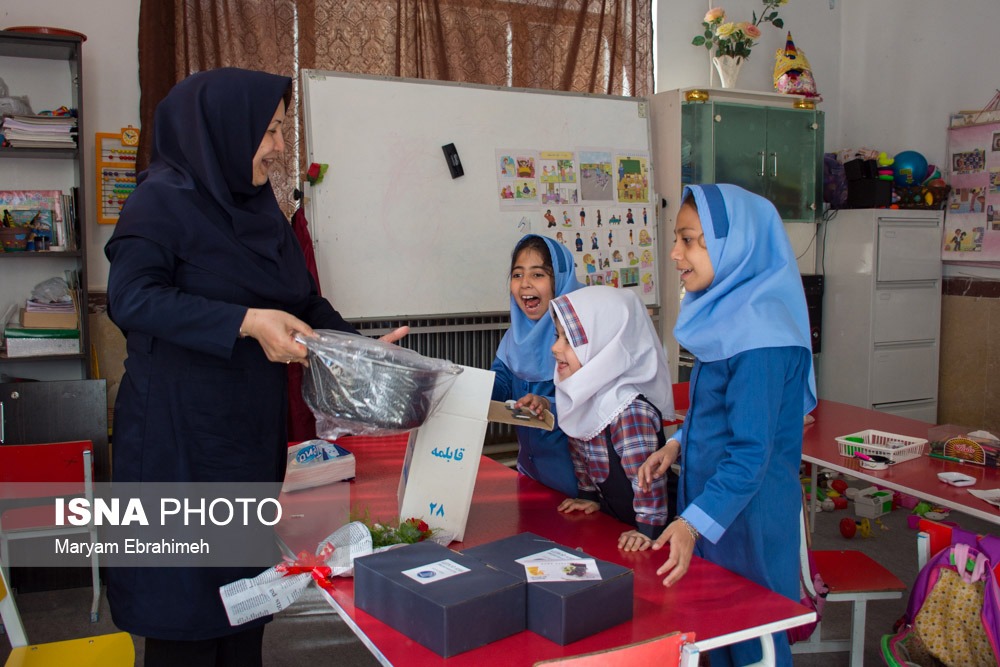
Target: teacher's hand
[393,336]
[275,330]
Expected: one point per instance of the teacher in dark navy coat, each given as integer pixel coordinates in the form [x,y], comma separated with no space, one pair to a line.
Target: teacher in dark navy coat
[209,286]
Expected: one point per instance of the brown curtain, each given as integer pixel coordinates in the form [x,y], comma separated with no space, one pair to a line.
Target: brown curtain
[594,46]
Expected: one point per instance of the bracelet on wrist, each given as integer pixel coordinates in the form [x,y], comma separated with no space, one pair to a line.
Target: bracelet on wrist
[691,529]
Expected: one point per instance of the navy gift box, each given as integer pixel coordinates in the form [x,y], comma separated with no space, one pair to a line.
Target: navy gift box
[456,614]
[563,611]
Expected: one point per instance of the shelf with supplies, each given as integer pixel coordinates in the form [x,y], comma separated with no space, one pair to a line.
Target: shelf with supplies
[44,75]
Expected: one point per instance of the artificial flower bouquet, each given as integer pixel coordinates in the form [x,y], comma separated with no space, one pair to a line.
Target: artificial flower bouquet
[730,38]
[278,587]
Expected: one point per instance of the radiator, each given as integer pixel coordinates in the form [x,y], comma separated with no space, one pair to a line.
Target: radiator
[469,341]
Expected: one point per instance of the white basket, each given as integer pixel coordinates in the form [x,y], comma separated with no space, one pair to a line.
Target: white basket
[894,447]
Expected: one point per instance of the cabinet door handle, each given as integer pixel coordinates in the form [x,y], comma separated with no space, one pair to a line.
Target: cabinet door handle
[3,424]
[761,172]
[774,164]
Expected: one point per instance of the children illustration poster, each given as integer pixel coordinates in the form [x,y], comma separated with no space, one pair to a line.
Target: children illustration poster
[558,178]
[972,224]
[517,178]
[596,181]
[632,177]
[594,201]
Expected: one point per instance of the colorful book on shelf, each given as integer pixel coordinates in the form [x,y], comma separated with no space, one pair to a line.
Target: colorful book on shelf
[39,210]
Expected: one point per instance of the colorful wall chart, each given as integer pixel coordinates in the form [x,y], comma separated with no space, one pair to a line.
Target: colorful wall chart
[972,221]
[595,201]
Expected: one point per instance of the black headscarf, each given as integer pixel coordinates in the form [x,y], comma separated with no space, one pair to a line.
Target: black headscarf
[197,199]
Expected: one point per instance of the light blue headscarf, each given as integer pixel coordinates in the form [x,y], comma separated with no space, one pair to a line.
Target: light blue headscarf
[526,348]
[756,299]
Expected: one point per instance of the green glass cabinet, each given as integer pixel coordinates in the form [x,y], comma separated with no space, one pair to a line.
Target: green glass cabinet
[773,151]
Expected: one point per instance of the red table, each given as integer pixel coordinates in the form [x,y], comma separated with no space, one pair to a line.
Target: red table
[717,605]
[917,477]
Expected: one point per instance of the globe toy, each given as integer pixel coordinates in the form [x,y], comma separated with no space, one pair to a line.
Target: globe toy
[909,168]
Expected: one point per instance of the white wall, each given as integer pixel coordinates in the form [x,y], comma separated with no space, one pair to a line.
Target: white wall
[889,71]
[110,78]
[814,26]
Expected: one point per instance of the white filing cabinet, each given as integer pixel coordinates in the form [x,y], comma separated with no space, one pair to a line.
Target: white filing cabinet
[882,310]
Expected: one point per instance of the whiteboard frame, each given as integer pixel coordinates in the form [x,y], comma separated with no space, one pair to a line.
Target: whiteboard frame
[364,288]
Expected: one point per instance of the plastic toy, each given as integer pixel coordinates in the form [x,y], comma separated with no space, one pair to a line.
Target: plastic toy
[909,168]
[839,485]
[848,527]
[792,73]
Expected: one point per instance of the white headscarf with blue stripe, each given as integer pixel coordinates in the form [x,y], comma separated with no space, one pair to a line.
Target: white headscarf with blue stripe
[756,299]
[526,348]
[621,357]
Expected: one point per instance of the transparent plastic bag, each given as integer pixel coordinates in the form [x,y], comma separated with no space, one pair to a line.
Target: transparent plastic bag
[53,290]
[360,386]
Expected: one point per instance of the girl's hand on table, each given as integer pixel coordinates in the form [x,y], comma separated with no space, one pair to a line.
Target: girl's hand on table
[633,540]
[578,505]
[681,542]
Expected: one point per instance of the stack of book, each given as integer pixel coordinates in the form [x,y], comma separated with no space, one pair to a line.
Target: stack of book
[58,315]
[44,328]
[39,131]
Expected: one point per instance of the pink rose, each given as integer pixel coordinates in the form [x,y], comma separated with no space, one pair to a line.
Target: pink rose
[715,14]
[751,31]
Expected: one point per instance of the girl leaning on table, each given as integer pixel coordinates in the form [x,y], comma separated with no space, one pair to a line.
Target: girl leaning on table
[744,318]
[612,388]
[540,270]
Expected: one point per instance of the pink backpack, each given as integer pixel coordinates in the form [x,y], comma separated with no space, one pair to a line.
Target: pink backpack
[953,616]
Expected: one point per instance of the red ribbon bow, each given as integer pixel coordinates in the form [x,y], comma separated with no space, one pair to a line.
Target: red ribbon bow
[315,565]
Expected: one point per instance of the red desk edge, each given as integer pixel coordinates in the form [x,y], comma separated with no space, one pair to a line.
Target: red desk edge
[717,605]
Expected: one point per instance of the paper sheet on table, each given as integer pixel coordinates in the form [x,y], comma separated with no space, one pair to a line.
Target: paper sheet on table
[991,496]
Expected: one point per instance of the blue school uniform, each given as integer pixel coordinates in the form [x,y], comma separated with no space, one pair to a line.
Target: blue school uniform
[524,365]
[741,445]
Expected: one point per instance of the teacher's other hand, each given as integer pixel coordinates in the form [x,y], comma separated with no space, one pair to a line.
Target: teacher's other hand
[275,330]
[394,336]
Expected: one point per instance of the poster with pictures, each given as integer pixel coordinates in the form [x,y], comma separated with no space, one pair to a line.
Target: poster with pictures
[594,201]
[972,221]
[517,178]
[632,177]
[557,177]
[596,175]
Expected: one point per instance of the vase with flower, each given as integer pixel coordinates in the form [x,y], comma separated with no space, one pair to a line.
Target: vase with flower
[732,40]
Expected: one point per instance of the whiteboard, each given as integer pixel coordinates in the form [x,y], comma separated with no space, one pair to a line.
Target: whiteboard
[397,236]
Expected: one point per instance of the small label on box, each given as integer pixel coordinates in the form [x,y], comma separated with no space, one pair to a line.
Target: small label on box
[578,569]
[426,574]
[551,554]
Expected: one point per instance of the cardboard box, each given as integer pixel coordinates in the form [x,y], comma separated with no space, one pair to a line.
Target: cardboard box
[499,412]
[447,614]
[35,320]
[23,342]
[563,612]
[442,456]
[871,502]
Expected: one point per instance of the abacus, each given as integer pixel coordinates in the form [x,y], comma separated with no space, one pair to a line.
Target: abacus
[116,153]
